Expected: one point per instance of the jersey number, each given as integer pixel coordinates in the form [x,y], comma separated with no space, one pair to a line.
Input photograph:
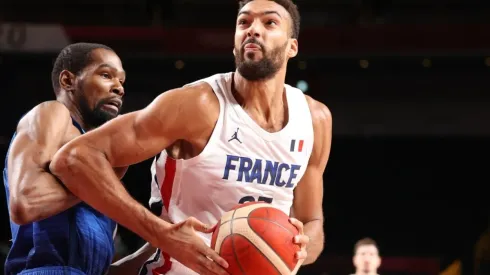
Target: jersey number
[252,199]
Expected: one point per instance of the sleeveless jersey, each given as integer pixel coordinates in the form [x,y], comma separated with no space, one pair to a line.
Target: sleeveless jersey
[241,163]
[76,241]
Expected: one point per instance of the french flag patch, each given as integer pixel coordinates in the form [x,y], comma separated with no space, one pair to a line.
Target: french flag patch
[296,145]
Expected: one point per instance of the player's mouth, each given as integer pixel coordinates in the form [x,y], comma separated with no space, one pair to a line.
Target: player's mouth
[252,47]
[113,105]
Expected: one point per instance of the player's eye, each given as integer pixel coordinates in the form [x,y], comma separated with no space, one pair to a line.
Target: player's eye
[105,75]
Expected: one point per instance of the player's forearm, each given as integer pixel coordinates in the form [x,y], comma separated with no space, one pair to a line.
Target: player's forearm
[314,230]
[131,264]
[89,176]
[42,196]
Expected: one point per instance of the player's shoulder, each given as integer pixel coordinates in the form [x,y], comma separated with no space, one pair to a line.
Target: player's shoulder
[320,113]
[190,94]
[46,111]
[201,92]
[205,104]
[49,108]
[196,104]
[196,98]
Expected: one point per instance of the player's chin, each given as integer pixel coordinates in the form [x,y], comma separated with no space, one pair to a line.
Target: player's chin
[253,56]
[109,115]
[109,111]
[112,116]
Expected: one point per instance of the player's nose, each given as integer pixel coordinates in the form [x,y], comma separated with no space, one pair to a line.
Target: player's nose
[118,89]
[254,30]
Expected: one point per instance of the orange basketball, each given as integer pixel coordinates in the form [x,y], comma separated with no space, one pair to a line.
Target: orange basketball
[256,238]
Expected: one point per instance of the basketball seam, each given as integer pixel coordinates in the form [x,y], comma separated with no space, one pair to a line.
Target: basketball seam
[225,222]
[274,222]
[261,253]
[233,244]
[292,233]
[262,247]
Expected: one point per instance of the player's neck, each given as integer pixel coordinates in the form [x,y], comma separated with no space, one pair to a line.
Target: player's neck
[264,97]
[75,112]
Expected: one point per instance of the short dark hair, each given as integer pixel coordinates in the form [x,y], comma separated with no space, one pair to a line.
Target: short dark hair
[74,58]
[290,7]
[363,242]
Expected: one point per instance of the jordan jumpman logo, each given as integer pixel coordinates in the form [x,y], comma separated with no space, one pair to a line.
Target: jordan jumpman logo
[235,136]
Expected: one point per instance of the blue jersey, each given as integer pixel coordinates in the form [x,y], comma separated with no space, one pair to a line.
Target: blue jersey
[76,241]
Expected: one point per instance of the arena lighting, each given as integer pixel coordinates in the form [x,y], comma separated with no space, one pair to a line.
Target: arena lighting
[427,63]
[179,64]
[302,85]
[364,63]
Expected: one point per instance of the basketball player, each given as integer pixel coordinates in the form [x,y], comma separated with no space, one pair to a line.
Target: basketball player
[247,136]
[52,232]
[366,257]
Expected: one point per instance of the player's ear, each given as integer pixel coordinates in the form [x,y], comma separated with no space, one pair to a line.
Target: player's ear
[234,52]
[67,80]
[293,48]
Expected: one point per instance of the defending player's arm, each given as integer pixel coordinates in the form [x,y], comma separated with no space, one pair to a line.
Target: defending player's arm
[308,195]
[35,193]
[85,164]
[85,167]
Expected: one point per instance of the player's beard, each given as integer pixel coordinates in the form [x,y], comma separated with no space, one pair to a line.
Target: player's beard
[96,116]
[262,69]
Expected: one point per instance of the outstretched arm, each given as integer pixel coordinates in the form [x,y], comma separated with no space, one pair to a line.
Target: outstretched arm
[85,164]
[308,195]
[35,193]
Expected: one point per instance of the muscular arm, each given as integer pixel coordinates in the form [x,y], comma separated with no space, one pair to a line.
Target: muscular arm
[85,164]
[308,195]
[35,193]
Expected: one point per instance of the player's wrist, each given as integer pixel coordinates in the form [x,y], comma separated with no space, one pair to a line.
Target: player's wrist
[160,231]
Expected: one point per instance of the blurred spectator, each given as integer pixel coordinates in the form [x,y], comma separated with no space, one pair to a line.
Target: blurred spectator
[366,257]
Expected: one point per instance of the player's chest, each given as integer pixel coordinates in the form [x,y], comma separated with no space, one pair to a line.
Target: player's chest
[241,157]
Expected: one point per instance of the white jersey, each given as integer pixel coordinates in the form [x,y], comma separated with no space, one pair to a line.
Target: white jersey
[241,162]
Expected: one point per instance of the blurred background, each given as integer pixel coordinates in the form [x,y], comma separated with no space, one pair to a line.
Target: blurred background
[406,80]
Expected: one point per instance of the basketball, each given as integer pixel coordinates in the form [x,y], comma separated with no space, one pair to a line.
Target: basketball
[256,238]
